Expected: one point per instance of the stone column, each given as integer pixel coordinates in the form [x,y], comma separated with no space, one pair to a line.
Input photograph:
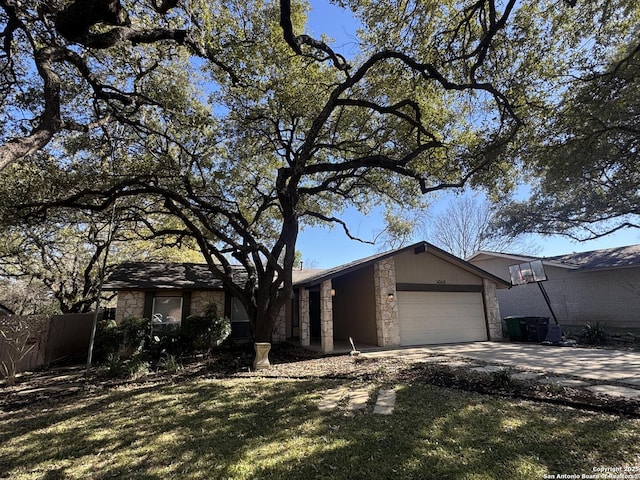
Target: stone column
[492,308]
[303,306]
[387,325]
[326,317]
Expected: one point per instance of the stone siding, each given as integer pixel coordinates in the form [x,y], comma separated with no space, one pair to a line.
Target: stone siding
[279,333]
[130,305]
[387,324]
[304,317]
[200,300]
[326,317]
[492,309]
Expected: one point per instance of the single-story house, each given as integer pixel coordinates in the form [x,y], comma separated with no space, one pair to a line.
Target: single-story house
[587,287]
[414,295]
[170,292]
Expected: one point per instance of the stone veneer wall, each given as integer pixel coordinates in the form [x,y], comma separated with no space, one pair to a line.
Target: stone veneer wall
[200,300]
[387,324]
[130,305]
[493,310]
[326,317]
[304,317]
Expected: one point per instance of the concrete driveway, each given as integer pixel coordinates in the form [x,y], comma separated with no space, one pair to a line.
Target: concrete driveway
[603,365]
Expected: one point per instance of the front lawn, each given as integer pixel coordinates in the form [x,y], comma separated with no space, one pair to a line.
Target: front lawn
[248,428]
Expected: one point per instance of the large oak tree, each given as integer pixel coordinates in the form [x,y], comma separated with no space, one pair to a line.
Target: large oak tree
[227,117]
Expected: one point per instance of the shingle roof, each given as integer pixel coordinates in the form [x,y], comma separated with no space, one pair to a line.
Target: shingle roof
[519,258]
[316,276]
[197,276]
[620,257]
[302,276]
[169,276]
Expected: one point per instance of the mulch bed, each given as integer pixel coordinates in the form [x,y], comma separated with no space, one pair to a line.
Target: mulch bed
[57,384]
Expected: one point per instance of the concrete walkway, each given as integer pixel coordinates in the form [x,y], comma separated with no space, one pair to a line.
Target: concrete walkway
[594,364]
[357,399]
[609,372]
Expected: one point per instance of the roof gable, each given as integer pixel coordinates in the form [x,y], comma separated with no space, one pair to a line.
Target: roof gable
[198,276]
[419,247]
[483,254]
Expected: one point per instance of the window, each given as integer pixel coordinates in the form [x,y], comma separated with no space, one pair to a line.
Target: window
[238,312]
[166,314]
[240,326]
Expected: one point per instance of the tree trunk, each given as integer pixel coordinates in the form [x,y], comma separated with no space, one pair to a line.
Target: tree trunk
[264,325]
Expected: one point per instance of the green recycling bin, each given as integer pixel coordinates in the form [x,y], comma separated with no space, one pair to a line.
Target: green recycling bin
[516,329]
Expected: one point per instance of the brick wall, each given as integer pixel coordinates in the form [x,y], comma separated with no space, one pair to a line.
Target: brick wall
[611,297]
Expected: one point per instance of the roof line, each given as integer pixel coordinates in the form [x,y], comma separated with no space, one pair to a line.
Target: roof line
[428,247]
[522,258]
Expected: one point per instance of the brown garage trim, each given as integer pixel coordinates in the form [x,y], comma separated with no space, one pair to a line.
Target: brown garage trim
[436,287]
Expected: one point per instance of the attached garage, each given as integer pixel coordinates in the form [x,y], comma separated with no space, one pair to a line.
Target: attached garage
[441,317]
[415,295]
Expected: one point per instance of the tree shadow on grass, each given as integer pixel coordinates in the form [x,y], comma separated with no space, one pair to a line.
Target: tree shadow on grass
[256,428]
[151,431]
[441,433]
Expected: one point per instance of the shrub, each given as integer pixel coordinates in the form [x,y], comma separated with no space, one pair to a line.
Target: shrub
[204,332]
[169,363]
[137,367]
[128,339]
[594,334]
[108,340]
[135,338]
[163,341]
[501,378]
[112,367]
[135,334]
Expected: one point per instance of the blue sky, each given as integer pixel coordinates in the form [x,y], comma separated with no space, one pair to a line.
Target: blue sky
[325,247]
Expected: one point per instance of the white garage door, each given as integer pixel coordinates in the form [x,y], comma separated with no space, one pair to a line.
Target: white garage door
[440,317]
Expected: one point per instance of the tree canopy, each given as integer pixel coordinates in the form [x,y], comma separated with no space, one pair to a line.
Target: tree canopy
[224,123]
[585,161]
[56,265]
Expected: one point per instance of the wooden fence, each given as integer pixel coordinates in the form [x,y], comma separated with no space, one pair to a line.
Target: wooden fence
[46,337]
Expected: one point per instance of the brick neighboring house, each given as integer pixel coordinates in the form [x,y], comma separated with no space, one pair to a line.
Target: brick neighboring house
[414,295]
[595,286]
